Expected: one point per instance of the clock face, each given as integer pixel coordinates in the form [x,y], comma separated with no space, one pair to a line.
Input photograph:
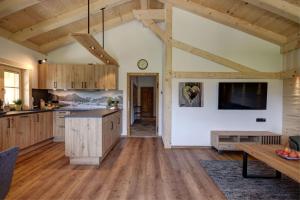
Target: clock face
[142,64]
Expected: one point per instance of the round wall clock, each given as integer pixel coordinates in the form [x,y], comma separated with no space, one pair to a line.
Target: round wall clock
[142,64]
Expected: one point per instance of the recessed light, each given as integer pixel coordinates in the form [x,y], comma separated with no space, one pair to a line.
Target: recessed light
[92,47]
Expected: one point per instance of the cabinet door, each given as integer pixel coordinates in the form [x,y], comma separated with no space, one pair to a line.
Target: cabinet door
[51,78]
[89,76]
[78,76]
[22,128]
[42,74]
[111,77]
[64,76]
[48,124]
[8,136]
[100,77]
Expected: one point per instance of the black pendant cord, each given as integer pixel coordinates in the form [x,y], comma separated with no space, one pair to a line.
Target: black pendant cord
[102,27]
[88,16]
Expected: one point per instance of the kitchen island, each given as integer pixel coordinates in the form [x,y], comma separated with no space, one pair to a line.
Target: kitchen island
[90,135]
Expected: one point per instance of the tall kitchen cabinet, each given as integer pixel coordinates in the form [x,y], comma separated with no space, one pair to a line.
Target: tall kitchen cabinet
[77,76]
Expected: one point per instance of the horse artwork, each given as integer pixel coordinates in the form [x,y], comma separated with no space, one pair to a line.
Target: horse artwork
[190,94]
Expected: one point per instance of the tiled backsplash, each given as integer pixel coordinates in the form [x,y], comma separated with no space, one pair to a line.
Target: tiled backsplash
[86,99]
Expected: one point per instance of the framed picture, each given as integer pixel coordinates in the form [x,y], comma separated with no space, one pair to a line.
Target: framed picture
[190,94]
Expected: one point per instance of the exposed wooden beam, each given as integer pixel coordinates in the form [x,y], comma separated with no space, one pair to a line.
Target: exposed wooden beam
[227,75]
[212,57]
[228,20]
[93,46]
[152,14]
[155,29]
[144,4]
[292,44]
[7,35]
[8,7]
[64,19]
[292,73]
[279,7]
[109,24]
[167,79]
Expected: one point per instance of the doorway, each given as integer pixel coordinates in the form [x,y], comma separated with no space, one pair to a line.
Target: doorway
[142,103]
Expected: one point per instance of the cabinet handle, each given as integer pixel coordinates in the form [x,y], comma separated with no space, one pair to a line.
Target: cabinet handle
[72,84]
[8,123]
[85,83]
[24,116]
[112,126]
[82,85]
[55,84]
[95,84]
[119,120]
[37,118]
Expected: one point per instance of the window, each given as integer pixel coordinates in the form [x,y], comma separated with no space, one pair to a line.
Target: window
[11,86]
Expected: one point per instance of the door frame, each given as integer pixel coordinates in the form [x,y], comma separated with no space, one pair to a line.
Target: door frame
[141,74]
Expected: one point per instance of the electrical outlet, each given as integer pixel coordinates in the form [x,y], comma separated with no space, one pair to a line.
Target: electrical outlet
[261,120]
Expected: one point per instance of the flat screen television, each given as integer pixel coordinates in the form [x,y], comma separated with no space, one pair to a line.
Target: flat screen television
[243,96]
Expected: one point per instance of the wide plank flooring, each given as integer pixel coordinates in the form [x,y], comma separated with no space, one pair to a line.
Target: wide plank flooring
[137,168]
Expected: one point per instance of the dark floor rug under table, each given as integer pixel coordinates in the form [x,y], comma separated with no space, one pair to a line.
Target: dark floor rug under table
[228,177]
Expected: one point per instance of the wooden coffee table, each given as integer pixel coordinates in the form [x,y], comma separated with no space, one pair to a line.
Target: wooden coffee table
[266,154]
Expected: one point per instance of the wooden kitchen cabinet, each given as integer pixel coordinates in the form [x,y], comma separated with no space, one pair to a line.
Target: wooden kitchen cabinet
[111,77]
[59,125]
[67,76]
[7,133]
[89,138]
[25,130]
[21,127]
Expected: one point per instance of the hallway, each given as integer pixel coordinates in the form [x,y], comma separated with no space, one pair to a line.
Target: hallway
[144,127]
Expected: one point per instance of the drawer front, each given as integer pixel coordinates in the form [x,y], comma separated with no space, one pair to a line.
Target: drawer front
[227,147]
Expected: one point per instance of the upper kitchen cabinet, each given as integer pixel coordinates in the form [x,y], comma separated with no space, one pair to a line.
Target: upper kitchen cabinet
[66,76]
[106,77]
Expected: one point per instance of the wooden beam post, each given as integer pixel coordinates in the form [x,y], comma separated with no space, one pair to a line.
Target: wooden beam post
[167,80]
[212,57]
[227,75]
[279,7]
[150,14]
[292,44]
[229,20]
[155,29]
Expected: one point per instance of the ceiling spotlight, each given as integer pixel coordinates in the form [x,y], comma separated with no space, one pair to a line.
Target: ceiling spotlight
[101,55]
[107,61]
[42,61]
[92,47]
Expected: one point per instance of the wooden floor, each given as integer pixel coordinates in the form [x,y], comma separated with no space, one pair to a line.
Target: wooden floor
[137,168]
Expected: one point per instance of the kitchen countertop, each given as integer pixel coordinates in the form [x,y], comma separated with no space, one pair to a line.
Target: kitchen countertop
[97,113]
[25,112]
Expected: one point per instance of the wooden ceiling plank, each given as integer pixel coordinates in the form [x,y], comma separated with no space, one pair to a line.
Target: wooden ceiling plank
[229,20]
[6,34]
[64,19]
[212,57]
[93,46]
[280,7]
[116,21]
[8,7]
[292,44]
[154,14]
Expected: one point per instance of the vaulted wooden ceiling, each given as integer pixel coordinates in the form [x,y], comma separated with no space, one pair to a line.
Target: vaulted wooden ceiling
[44,25]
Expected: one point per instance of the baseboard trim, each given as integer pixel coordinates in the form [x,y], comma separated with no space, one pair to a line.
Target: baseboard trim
[190,147]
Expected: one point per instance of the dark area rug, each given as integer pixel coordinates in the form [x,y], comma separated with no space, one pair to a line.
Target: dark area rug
[228,177]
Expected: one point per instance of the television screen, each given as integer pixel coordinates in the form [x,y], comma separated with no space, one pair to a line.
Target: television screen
[243,96]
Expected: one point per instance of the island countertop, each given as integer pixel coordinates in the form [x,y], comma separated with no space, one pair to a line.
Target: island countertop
[97,113]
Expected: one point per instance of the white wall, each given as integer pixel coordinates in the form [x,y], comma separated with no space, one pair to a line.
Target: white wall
[22,55]
[127,44]
[192,126]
